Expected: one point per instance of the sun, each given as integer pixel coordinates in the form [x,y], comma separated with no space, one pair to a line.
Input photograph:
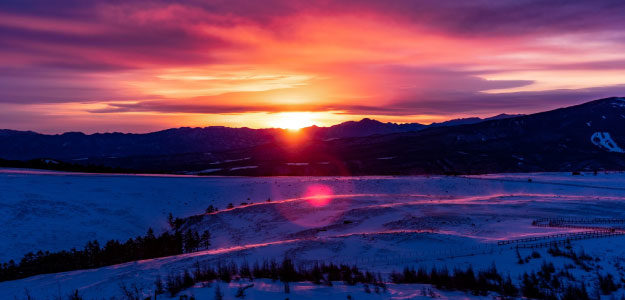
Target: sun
[292,120]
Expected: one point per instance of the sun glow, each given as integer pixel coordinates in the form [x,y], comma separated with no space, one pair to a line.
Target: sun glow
[292,120]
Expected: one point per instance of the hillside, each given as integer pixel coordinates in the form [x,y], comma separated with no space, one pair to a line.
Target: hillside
[583,137]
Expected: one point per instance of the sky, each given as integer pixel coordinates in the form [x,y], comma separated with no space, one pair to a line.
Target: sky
[140,66]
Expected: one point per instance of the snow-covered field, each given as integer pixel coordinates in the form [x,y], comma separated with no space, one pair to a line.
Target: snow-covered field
[379,223]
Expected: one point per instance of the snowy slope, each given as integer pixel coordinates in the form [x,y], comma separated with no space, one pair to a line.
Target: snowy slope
[379,223]
[76,208]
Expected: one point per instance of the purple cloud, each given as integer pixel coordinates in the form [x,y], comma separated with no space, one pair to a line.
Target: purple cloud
[60,51]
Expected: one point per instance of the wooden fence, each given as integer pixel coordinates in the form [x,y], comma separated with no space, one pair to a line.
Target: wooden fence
[561,242]
[560,238]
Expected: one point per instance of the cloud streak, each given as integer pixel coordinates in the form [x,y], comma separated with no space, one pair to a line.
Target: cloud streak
[450,104]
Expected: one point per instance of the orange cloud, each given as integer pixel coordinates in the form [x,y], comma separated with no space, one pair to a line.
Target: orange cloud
[227,62]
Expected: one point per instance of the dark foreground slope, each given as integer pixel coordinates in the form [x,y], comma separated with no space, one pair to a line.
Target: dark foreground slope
[582,137]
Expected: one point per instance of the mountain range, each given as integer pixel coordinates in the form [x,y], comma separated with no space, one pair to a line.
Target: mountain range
[586,137]
[26,145]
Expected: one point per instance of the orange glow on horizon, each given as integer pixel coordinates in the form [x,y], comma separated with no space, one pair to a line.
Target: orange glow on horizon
[293,120]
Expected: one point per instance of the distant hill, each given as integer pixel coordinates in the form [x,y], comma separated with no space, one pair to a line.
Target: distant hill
[364,127]
[465,121]
[77,146]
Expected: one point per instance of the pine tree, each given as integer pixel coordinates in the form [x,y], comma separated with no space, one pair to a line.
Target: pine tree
[508,289]
[287,271]
[150,234]
[245,271]
[187,279]
[75,296]
[159,287]
[191,240]
[206,239]
[170,221]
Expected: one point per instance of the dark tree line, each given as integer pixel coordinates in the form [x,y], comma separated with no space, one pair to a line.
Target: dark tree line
[537,285]
[548,284]
[284,271]
[60,166]
[113,252]
[544,284]
[479,283]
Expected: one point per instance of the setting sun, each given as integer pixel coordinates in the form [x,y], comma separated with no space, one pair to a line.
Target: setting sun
[293,120]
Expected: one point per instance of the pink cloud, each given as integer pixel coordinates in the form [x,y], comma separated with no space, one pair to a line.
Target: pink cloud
[352,57]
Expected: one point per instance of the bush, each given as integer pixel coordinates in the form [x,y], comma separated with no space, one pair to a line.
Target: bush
[575,293]
[607,284]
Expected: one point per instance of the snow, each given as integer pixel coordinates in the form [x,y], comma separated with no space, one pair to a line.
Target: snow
[296,164]
[239,159]
[230,160]
[619,103]
[263,289]
[380,223]
[203,171]
[243,168]
[266,289]
[604,140]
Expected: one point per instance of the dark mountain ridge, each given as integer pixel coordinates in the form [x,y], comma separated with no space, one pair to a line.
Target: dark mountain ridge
[27,145]
[587,137]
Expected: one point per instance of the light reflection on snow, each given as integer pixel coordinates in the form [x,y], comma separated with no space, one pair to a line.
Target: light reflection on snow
[318,195]
[318,204]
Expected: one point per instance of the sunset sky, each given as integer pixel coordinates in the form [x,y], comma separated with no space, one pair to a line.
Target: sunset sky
[139,66]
